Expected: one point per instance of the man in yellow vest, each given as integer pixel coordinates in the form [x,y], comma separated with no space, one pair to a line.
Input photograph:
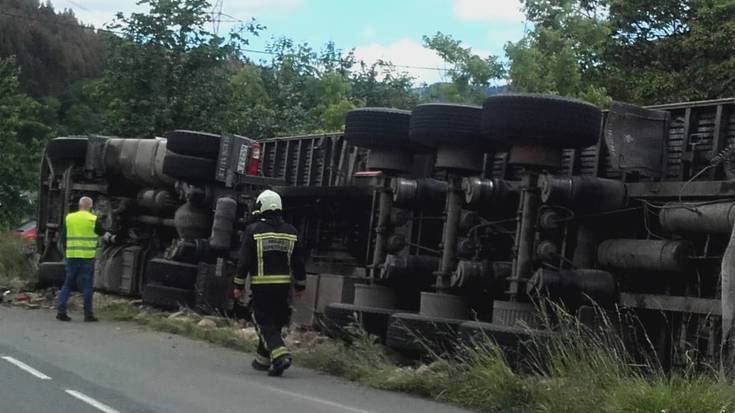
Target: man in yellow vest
[82,229]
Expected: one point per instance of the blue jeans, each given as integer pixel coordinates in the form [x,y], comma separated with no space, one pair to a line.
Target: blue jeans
[79,273]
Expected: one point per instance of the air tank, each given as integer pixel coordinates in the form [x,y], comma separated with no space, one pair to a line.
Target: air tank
[697,218]
[415,269]
[574,287]
[426,193]
[648,255]
[192,223]
[225,213]
[583,193]
[138,160]
[157,200]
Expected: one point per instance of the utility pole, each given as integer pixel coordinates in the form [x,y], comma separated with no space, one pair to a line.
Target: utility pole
[217,15]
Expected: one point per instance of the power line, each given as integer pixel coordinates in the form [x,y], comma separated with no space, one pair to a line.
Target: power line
[379,63]
[75,4]
[263,52]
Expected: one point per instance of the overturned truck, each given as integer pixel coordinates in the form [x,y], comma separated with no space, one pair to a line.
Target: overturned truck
[174,203]
[444,221]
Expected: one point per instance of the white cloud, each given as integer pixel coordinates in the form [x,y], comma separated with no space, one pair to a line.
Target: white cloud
[405,52]
[488,10]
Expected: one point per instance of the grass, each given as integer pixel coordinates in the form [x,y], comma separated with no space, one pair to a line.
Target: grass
[578,370]
[16,264]
[122,310]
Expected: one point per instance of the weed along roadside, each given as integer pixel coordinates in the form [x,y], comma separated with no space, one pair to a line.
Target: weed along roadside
[578,369]
[17,261]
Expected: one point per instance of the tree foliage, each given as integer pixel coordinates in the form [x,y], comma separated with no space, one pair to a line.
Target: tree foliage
[564,52]
[21,138]
[672,50]
[471,74]
[645,52]
[166,71]
[52,49]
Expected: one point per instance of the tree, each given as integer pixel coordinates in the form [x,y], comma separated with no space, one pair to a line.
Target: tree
[380,84]
[312,90]
[21,137]
[471,74]
[167,71]
[672,50]
[52,48]
[564,52]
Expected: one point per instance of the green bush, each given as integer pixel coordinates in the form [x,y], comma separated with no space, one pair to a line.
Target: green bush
[16,264]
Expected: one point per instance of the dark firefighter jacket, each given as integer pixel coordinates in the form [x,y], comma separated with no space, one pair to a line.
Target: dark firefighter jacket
[271,253]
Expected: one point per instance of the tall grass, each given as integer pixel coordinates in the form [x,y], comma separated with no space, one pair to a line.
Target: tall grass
[577,369]
[584,369]
[16,265]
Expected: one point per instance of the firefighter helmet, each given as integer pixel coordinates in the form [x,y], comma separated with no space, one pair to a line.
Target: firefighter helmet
[268,201]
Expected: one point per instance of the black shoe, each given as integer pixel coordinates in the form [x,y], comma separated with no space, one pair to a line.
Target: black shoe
[258,366]
[279,366]
[90,319]
[63,317]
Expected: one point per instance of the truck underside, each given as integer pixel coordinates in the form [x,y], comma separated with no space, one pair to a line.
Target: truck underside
[445,230]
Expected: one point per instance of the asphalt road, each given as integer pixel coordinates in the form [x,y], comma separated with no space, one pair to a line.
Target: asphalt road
[48,366]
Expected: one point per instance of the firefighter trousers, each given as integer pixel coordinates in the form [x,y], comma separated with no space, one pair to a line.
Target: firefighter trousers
[271,312]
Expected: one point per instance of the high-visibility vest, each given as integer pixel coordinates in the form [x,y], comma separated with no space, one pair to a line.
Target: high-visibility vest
[81,240]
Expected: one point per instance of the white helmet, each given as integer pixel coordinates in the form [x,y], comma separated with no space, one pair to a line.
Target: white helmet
[268,201]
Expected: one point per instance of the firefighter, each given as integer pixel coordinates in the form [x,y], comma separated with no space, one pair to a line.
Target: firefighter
[81,230]
[270,254]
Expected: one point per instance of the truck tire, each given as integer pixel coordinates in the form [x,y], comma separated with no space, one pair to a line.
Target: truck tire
[74,149]
[518,344]
[441,123]
[168,298]
[378,128]
[171,273]
[541,120]
[420,334]
[373,320]
[193,143]
[188,168]
[506,337]
[51,274]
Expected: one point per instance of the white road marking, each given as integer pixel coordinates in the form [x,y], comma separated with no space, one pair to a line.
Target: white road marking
[26,368]
[318,400]
[92,402]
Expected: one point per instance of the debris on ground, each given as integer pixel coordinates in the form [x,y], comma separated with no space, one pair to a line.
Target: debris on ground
[185,314]
[30,300]
[206,323]
[248,333]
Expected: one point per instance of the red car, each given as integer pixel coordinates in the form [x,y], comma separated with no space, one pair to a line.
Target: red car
[27,230]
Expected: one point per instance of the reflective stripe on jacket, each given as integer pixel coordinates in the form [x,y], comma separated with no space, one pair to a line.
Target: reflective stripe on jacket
[271,254]
[278,247]
[81,239]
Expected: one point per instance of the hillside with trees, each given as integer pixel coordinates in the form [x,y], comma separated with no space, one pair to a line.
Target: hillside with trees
[162,69]
[52,49]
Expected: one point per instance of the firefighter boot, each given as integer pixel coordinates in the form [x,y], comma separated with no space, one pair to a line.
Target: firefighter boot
[261,363]
[279,365]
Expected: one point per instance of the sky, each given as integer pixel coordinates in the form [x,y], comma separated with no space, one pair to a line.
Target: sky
[376,29]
